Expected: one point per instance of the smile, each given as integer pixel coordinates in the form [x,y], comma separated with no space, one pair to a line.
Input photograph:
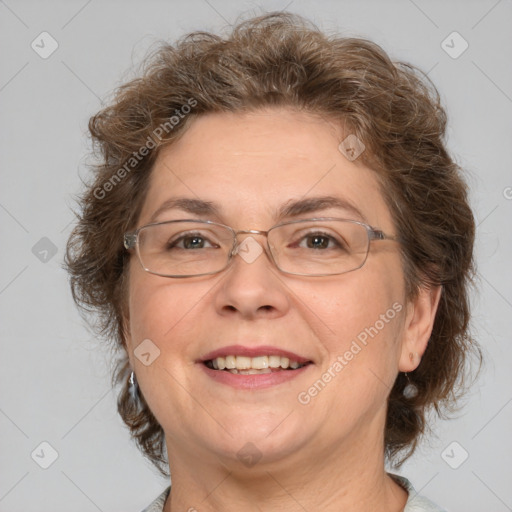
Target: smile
[253,365]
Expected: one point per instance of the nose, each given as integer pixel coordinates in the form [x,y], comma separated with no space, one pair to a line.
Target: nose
[251,287]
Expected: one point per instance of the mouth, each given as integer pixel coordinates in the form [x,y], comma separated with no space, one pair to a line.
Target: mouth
[245,365]
[241,360]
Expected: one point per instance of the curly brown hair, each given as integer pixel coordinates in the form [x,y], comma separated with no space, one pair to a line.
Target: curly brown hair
[280,59]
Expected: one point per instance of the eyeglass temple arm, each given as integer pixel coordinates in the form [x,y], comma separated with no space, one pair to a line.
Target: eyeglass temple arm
[377,234]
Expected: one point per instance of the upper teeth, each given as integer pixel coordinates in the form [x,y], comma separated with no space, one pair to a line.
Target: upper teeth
[256,363]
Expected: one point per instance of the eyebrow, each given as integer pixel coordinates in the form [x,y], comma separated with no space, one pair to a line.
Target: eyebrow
[292,208]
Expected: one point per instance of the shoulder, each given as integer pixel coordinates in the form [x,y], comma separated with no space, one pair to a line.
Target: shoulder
[415,503]
[158,504]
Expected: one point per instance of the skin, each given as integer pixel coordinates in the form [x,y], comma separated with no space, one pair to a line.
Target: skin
[327,454]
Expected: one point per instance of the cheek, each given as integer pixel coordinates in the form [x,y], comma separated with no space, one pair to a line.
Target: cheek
[157,307]
[353,303]
[163,312]
[363,311]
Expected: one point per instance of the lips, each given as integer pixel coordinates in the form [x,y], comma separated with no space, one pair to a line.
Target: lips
[253,368]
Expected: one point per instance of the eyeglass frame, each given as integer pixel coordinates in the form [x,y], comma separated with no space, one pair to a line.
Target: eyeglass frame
[131,242]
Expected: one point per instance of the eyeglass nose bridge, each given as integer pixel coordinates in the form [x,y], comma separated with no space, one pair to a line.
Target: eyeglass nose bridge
[237,244]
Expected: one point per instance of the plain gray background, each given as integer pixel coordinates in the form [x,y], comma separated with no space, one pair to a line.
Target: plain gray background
[54,376]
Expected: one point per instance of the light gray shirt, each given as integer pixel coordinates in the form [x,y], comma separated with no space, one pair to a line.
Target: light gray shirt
[415,503]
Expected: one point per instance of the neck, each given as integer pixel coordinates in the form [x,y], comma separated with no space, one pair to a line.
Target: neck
[351,478]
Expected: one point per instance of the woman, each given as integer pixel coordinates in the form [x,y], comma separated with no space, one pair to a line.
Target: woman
[280,247]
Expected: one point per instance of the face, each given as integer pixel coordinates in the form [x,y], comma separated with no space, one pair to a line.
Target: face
[349,327]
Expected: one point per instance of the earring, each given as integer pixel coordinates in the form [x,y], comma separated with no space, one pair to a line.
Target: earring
[134,387]
[410,390]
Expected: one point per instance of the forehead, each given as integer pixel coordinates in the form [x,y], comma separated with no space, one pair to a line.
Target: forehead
[250,164]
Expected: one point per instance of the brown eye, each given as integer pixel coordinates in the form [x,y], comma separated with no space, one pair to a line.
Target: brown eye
[191,241]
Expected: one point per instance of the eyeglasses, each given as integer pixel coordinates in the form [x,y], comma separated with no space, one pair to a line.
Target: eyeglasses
[307,247]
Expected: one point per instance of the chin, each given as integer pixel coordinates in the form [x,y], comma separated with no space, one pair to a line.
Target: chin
[271,439]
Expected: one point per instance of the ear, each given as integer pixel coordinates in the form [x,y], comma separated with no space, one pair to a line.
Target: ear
[419,321]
